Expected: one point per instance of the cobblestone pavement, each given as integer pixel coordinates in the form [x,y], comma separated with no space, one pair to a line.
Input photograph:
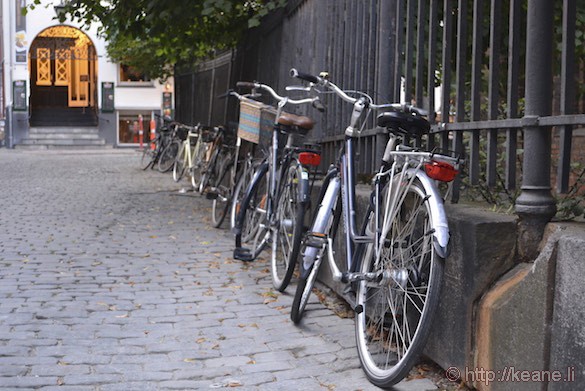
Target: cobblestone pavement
[112,280]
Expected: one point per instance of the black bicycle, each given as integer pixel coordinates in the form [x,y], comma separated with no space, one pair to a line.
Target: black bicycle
[278,197]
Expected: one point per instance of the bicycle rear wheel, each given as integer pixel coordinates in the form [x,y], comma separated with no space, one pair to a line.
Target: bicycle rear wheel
[396,313]
[168,156]
[286,238]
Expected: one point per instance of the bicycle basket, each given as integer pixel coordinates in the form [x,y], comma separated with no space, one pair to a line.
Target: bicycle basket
[249,125]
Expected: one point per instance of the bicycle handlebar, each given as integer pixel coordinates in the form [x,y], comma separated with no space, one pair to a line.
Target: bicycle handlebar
[279,98]
[405,107]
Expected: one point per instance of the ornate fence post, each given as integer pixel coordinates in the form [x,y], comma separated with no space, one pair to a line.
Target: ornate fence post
[536,206]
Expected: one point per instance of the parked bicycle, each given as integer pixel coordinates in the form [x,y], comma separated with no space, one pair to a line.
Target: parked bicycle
[169,153]
[192,156]
[273,209]
[394,264]
[153,149]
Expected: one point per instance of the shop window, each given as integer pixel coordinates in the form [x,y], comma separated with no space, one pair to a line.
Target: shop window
[129,126]
[132,76]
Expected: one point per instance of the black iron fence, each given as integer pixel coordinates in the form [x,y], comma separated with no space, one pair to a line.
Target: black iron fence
[504,77]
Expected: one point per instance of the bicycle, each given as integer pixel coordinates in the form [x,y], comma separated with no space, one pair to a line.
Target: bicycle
[278,196]
[169,153]
[152,151]
[219,174]
[191,156]
[394,264]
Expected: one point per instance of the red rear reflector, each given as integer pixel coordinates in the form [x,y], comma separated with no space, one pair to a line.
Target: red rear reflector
[441,171]
[310,158]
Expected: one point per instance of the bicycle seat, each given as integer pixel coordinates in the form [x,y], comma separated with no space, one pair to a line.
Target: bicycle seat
[399,122]
[287,119]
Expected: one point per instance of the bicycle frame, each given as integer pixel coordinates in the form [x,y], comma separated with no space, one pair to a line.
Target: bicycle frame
[342,179]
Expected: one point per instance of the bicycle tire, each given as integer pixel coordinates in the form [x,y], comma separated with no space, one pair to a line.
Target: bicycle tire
[221,202]
[396,314]
[239,193]
[179,165]
[305,286]
[210,173]
[168,156]
[197,169]
[148,156]
[286,238]
[253,212]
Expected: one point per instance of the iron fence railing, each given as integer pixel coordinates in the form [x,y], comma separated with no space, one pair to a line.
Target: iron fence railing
[501,77]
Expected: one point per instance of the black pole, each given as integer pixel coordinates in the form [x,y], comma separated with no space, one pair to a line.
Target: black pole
[536,206]
[385,66]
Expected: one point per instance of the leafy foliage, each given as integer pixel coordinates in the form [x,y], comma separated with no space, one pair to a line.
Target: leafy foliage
[153,35]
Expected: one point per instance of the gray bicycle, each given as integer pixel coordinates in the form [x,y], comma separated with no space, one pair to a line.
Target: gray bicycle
[394,263]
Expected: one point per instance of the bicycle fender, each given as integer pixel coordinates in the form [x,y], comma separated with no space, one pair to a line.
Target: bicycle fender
[438,216]
[304,187]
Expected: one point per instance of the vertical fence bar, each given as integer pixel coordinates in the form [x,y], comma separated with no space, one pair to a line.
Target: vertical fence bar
[385,61]
[567,94]
[398,50]
[460,86]
[446,67]
[420,52]
[432,66]
[535,206]
[476,63]
[493,92]
[409,50]
[512,91]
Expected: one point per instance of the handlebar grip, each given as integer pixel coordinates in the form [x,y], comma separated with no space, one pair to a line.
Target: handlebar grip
[304,76]
[319,106]
[418,110]
[224,95]
[246,84]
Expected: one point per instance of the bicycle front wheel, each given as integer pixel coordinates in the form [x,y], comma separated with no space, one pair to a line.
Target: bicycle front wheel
[305,286]
[254,224]
[396,310]
[179,166]
[286,238]
[222,187]
[148,155]
[168,156]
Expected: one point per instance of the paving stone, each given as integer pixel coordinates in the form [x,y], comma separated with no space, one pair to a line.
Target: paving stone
[111,281]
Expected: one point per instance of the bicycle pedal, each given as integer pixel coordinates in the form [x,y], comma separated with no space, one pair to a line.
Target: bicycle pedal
[243,254]
[315,239]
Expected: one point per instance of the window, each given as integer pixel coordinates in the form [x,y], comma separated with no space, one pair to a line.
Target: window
[131,75]
[129,126]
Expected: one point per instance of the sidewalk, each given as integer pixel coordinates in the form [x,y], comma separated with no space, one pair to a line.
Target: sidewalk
[112,280]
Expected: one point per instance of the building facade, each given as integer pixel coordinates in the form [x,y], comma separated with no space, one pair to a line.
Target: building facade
[59,76]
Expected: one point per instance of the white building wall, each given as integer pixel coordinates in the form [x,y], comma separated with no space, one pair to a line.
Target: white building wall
[127,97]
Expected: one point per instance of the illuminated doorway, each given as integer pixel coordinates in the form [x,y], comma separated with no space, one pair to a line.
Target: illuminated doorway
[63,78]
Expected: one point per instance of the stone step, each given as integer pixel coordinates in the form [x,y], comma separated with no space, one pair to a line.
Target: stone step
[63,129]
[64,136]
[69,141]
[39,147]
